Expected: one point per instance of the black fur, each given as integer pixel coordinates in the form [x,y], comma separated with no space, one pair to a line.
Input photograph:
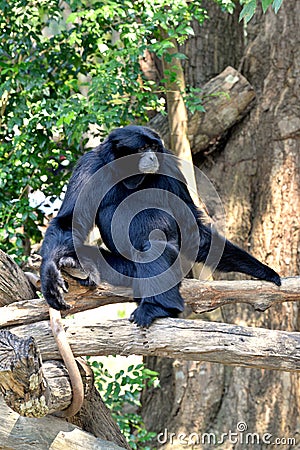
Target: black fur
[142,257]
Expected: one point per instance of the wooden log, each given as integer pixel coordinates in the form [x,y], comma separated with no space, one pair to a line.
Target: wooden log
[201,296]
[46,433]
[14,285]
[227,98]
[175,338]
[30,388]
[35,389]
[209,295]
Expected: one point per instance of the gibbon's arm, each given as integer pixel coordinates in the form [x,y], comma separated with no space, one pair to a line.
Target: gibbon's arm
[58,241]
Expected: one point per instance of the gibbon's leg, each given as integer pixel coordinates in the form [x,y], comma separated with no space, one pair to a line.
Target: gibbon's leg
[222,254]
[157,282]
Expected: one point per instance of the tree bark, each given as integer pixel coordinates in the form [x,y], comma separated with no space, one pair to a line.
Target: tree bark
[227,98]
[10,291]
[263,203]
[257,176]
[199,296]
[216,44]
[185,339]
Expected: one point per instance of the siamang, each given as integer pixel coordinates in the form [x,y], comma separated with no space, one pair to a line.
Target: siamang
[132,189]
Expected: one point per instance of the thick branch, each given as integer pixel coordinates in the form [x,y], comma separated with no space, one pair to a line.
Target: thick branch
[201,296]
[209,295]
[226,99]
[175,338]
[14,286]
[33,389]
[29,388]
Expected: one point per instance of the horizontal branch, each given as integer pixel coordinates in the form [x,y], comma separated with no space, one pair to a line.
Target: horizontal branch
[201,296]
[209,295]
[186,339]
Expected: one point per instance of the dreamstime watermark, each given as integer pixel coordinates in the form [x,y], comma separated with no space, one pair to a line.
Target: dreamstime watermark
[240,435]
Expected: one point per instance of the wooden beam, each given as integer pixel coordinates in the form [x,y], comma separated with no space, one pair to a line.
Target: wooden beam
[201,296]
[175,338]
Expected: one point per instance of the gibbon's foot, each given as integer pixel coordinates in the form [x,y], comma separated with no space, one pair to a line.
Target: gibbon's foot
[147,312]
[273,276]
[74,269]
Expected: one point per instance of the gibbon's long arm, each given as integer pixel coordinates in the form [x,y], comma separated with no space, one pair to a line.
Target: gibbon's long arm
[58,241]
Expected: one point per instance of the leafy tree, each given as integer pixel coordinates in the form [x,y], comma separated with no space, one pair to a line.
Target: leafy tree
[66,65]
[249,7]
[62,70]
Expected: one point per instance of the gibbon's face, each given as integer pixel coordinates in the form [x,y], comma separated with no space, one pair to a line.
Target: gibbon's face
[142,145]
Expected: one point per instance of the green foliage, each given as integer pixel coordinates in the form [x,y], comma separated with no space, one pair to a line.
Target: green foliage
[122,391]
[61,70]
[65,66]
[250,6]
[227,5]
[193,100]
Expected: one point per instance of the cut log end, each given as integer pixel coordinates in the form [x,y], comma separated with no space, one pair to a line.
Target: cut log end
[21,377]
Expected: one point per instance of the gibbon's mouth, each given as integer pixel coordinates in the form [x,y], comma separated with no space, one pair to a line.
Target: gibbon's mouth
[133,181]
[150,169]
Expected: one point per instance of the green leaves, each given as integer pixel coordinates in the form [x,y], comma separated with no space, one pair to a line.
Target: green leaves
[248,11]
[46,108]
[276,5]
[265,4]
[250,6]
[193,100]
[65,66]
[121,392]
[60,73]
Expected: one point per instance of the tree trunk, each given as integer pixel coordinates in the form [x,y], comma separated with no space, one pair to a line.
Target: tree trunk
[10,291]
[257,177]
[217,43]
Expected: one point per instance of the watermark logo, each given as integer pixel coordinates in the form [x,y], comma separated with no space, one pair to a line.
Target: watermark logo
[146,223]
[239,435]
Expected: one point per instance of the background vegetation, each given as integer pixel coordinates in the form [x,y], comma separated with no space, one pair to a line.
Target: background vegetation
[67,65]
